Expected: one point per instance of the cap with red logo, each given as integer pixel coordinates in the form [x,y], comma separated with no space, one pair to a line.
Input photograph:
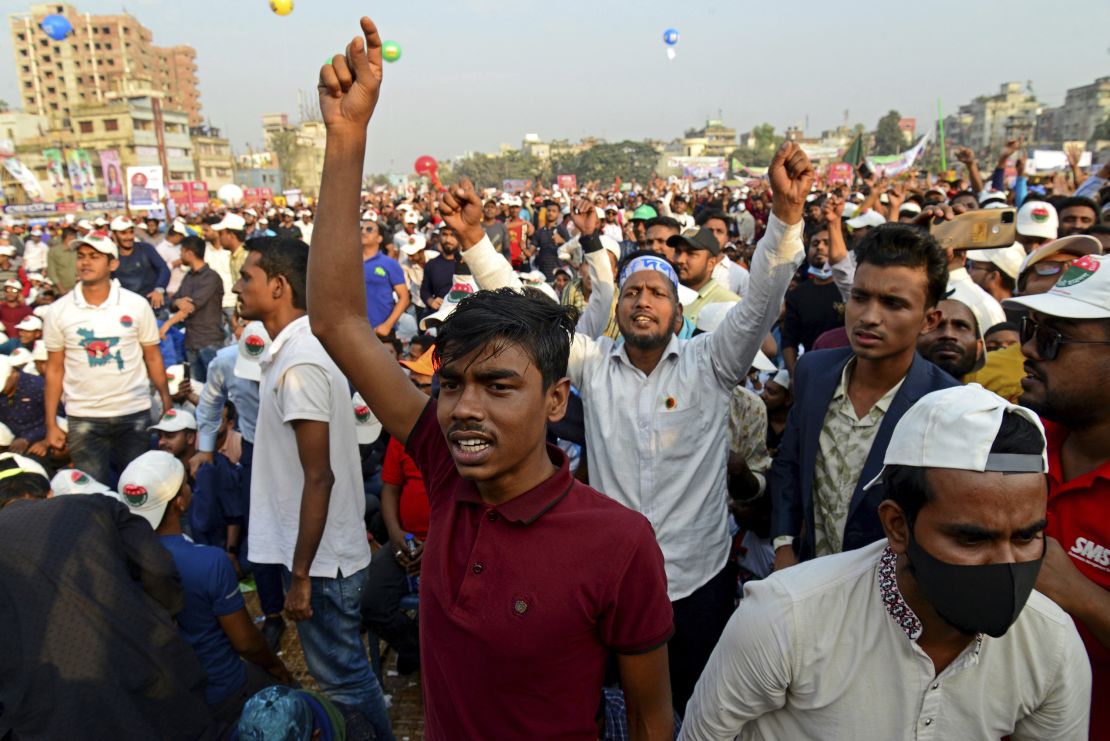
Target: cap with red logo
[73,481]
[367,427]
[1082,292]
[149,483]
[99,241]
[1038,219]
[175,420]
[252,346]
[462,285]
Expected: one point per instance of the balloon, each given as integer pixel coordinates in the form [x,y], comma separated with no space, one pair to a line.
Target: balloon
[281,7]
[231,194]
[56,27]
[426,165]
[391,51]
[670,36]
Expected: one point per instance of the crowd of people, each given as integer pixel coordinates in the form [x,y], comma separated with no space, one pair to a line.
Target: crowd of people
[642,461]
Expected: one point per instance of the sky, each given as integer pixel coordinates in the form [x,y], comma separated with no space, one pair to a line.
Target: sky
[478,73]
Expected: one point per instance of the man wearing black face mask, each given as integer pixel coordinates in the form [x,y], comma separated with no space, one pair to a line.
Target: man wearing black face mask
[933,632]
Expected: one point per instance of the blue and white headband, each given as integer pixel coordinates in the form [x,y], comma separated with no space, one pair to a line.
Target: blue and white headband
[648,262]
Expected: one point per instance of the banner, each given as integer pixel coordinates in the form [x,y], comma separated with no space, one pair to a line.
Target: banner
[188,195]
[840,172]
[55,171]
[567,182]
[108,204]
[1048,160]
[110,171]
[257,195]
[80,173]
[25,178]
[700,168]
[516,186]
[292,197]
[896,164]
[144,186]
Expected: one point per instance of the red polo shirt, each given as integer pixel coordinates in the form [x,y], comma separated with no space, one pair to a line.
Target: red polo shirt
[1079,517]
[520,604]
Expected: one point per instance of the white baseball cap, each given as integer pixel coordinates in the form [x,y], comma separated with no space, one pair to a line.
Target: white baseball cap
[74,481]
[6,435]
[925,435]
[25,464]
[175,420]
[370,215]
[782,378]
[869,217]
[7,249]
[462,285]
[1082,292]
[99,241]
[100,222]
[849,210]
[367,427]
[250,211]
[38,352]
[19,357]
[252,345]
[234,222]
[411,217]
[1006,259]
[85,225]
[13,283]
[1038,219]
[175,374]
[909,207]
[121,224]
[30,323]
[414,243]
[1075,245]
[149,483]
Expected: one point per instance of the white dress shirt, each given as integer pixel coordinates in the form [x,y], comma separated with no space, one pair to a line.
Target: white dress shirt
[828,650]
[658,444]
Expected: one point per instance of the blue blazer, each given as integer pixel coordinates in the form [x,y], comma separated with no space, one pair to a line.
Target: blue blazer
[791,480]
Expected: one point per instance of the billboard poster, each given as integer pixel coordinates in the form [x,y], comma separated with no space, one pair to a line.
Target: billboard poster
[516,186]
[55,171]
[80,174]
[26,178]
[567,182]
[145,186]
[840,172]
[111,172]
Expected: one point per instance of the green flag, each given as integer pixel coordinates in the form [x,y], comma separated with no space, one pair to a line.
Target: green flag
[854,155]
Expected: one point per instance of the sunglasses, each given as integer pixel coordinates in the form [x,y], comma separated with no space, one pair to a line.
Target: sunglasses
[1048,340]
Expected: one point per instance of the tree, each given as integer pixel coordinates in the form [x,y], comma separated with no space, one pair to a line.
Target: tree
[490,170]
[888,135]
[766,142]
[283,145]
[628,160]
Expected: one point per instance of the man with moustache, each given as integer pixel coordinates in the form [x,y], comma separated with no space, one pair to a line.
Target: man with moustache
[955,346]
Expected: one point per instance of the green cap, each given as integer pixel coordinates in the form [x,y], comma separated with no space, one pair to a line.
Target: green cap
[643,213]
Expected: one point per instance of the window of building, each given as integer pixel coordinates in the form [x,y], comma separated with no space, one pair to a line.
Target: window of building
[20,37]
[53,106]
[108,45]
[106,30]
[97,44]
[111,124]
[111,63]
[50,91]
[85,126]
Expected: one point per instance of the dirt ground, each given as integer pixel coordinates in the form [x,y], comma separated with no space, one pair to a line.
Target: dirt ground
[406,705]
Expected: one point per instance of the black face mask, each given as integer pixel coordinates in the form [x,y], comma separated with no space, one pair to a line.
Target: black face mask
[973,599]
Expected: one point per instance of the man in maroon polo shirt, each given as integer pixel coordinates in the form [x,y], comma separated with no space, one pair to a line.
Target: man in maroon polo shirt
[530,580]
[1066,342]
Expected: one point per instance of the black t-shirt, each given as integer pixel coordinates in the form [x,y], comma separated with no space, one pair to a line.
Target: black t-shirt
[811,310]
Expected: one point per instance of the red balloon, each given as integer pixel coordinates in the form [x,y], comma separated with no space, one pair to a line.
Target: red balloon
[426,165]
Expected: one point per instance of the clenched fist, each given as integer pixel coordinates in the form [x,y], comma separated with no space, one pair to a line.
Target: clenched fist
[350,85]
[791,175]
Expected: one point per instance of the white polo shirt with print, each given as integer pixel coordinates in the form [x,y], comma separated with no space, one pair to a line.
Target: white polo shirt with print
[105,374]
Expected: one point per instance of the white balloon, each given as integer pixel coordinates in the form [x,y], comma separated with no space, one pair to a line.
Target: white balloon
[670,52]
[231,194]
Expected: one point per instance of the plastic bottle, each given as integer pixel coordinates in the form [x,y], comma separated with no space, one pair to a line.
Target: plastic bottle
[414,579]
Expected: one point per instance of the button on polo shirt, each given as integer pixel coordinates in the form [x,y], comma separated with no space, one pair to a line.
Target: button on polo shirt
[524,601]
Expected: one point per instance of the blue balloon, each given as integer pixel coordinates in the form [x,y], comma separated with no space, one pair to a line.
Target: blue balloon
[56,27]
[670,36]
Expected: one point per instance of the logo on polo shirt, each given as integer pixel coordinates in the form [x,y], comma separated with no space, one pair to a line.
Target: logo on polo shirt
[362,413]
[135,495]
[79,477]
[1080,270]
[1039,214]
[255,345]
[126,321]
[379,271]
[98,350]
[1092,553]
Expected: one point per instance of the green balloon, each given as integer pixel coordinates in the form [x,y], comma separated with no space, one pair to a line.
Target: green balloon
[391,51]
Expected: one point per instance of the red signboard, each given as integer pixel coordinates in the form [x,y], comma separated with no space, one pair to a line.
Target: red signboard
[257,195]
[188,195]
[840,172]
[567,182]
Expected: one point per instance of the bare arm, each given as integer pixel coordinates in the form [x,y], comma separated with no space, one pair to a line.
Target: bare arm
[336,296]
[52,394]
[967,157]
[647,695]
[156,370]
[403,301]
[313,450]
[249,643]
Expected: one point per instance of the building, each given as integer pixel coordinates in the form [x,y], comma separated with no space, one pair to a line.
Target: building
[1084,109]
[908,127]
[536,147]
[212,158]
[19,126]
[988,122]
[103,55]
[298,151]
[714,140]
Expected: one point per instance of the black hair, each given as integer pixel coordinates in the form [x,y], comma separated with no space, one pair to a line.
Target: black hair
[391,340]
[287,258]
[21,485]
[1007,282]
[712,213]
[232,412]
[643,253]
[664,221]
[239,234]
[908,486]
[1097,229]
[212,220]
[424,340]
[1077,202]
[902,245]
[493,320]
[196,245]
[1002,327]
[968,193]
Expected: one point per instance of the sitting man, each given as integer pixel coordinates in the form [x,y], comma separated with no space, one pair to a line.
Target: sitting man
[934,630]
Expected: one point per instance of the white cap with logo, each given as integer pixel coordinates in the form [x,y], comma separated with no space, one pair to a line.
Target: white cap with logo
[252,346]
[1006,259]
[367,427]
[149,483]
[231,221]
[1082,292]
[175,420]
[74,481]
[1038,219]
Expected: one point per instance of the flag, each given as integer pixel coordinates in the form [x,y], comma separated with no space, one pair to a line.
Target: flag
[896,164]
[854,154]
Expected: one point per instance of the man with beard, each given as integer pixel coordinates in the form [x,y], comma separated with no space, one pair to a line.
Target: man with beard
[439,272]
[1077,214]
[141,270]
[815,305]
[934,631]
[696,253]
[495,228]
[1066,340]
[955,346]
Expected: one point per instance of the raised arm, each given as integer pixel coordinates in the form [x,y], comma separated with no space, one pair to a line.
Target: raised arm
[734,345]
[461,208]
[349,89]
[840,260]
